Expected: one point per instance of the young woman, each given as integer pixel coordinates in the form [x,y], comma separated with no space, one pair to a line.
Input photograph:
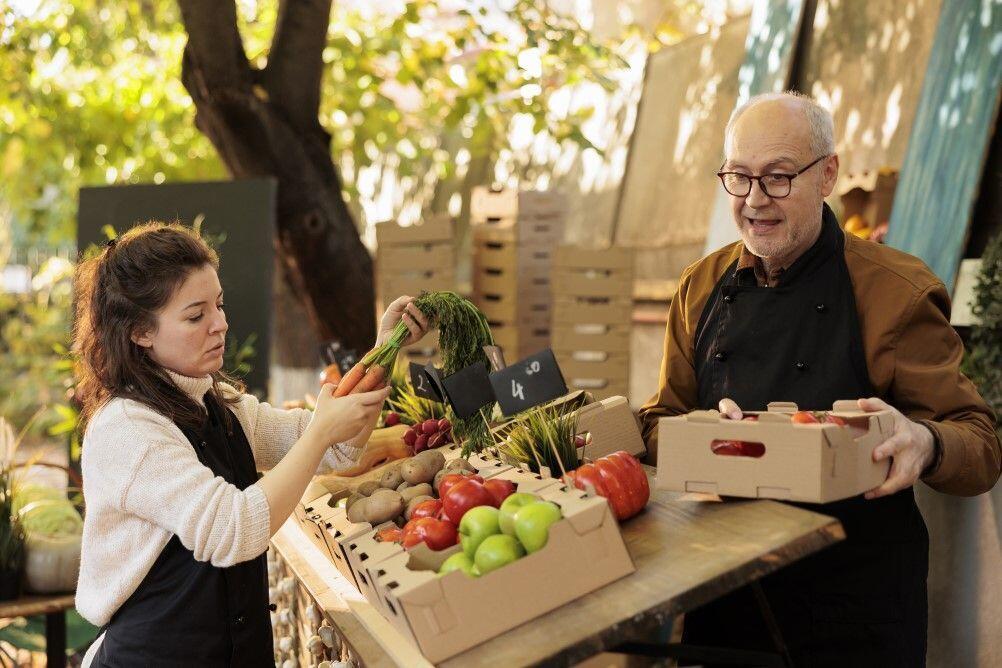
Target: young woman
[178,522]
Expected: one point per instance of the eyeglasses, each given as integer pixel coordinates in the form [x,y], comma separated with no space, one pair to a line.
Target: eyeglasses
[776,185]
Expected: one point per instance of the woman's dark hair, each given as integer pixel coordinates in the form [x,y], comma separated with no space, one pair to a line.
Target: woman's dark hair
[118,293]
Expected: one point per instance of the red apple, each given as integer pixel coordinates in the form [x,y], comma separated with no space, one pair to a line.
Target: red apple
[448,481]
[499,489]
[465,495]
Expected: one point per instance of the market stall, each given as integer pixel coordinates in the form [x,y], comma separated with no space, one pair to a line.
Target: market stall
[685,551]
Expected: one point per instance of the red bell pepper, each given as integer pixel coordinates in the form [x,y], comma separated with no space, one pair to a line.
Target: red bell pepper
[620,479]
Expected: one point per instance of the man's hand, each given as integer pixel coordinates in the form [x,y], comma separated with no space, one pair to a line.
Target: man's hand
[403,308]
[911,448]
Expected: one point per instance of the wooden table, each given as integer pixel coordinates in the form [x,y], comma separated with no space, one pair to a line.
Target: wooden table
[54,608]
[687,552]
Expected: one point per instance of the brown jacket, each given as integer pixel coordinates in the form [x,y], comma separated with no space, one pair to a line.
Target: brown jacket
[912,353]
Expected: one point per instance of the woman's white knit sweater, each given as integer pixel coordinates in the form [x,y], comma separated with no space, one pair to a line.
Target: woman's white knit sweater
[144,483]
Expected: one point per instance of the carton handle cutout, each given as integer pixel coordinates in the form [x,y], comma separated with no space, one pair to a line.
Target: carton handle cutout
[732,448]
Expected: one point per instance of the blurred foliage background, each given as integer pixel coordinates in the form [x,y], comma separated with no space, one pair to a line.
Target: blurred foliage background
[415,94]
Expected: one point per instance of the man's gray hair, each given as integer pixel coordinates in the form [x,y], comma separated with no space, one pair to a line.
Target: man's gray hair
[819,118]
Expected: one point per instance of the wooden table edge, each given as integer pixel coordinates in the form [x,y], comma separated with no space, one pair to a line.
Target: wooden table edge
[825,536]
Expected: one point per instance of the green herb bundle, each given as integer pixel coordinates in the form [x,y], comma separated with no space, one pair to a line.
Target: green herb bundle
[543,437]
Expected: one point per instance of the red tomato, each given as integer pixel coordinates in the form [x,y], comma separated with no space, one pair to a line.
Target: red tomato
[804,417]
[727,448]
[750,418]
[390,535]
[834,419]
[499,489]
[429,508]
[436,534]
[464,495]
[448,481]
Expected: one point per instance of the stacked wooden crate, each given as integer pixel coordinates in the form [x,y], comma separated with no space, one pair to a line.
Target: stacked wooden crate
[514,235]
[412,259]
[592,309]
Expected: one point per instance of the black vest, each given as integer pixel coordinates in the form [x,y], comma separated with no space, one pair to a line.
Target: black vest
[861,602]
[190,613]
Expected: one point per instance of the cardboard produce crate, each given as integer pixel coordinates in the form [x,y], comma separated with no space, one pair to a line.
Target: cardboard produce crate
[601,373]
[816,463]
[393,260]
[511,255]
[519,341]
[435,229]
[487,203]
[592,310]
[592,337]
[610,421]
[415,258]
[391,286]
[336,532]
[446,615]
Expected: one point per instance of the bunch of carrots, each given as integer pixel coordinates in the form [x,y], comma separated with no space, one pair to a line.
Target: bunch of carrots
[462,334]
[371,372]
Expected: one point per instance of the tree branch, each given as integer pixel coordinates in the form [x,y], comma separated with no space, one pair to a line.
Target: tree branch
[214,46]
[295,61]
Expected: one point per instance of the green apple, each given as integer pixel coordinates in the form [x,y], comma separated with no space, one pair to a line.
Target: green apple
[510,506]
[497,551]
[457,562]
[477,524]
[532,524]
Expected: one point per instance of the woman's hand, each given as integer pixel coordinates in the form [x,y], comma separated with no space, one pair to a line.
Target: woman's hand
[341,419]
[403,308]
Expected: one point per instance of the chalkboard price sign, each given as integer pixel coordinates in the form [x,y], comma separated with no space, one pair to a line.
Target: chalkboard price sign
[528,383]
[424,383]
[468,390]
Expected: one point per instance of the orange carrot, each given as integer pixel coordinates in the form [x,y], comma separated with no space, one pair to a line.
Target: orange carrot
[350,380]
[374,377]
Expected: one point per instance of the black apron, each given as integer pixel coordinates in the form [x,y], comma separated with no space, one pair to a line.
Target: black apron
[190,613]
[861,602]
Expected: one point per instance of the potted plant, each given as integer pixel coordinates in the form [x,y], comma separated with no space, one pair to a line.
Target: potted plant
[12,538]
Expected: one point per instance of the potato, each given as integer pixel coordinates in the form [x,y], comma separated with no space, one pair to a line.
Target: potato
[368,487]
[436,458]
[351,500]
[438,478]
[391,479]
[382,506]
[402,486]
[356,513]
[413,502]
[459,465]
[424,489]
[418,470]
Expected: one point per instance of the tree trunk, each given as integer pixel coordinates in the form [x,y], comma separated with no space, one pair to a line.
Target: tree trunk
[265,124]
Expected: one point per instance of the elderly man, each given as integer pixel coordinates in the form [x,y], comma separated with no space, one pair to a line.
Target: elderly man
[799,311]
